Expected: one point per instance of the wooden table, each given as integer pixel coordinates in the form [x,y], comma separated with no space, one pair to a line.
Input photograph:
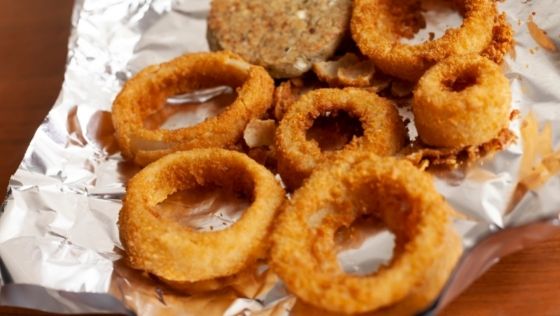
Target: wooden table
[33,38]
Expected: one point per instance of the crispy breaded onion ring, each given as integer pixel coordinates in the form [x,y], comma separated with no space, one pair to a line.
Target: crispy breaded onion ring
[303,252]
[423,293]
[383,130]
[462,100]
[180,254]
[377,28]
[147,91]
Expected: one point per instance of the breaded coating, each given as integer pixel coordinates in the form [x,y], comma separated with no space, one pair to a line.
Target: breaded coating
[146,93]
[463,100]
[378,25]
[383,131]
[359,183]
[177,253]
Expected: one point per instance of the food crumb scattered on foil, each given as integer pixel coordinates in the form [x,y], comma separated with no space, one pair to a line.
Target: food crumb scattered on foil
[540,36]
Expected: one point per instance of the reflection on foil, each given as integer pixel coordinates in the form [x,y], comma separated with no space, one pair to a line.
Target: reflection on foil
[203,209]
[364,247]
[200,96]
[58,226]
[257,290]
[189,109]
[375,251]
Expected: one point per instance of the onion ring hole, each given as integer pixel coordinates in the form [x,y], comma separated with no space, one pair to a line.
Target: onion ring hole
[191,108]
[333,130]
[210,208]
[364,246]
[462,81]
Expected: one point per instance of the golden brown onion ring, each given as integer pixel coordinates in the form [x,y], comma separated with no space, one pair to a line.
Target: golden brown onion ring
[377,27]
[383,131]
[148,90]
[303,252]
[421,295]
[180,254]
[463,100]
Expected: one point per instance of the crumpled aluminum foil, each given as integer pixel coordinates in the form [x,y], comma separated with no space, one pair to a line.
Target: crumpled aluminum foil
[59,244]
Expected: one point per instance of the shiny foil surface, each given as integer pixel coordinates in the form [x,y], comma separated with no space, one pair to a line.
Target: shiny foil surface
[59,242]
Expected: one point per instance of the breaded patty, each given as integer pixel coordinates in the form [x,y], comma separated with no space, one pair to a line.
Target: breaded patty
[284,36]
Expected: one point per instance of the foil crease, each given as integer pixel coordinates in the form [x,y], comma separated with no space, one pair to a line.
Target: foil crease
[59,243]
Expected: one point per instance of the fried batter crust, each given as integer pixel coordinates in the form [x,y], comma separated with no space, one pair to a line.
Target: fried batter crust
[180,254]
[403,197]
[147,91]
[378,25]
[383,130]
[463,100]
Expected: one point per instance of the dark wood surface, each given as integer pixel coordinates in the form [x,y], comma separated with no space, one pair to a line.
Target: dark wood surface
[33,39]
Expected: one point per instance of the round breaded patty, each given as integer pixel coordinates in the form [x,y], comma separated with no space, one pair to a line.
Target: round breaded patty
[284,36]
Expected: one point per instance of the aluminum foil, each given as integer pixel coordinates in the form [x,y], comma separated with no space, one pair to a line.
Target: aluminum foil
[59,245]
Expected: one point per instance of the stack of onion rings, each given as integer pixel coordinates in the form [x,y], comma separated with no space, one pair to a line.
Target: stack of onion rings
[404,198]
[148,90]
[384,132]
[375,29]
[462,100]
[179,254]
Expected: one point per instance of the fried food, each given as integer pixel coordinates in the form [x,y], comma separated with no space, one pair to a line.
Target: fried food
[359,183]
[420,296]
[179,254]
[461,101]
[540,36]
[288,92]
[443,159]
[383,130]
[502,40]
[146,93]
[285,37]
[347,71]
[378,25]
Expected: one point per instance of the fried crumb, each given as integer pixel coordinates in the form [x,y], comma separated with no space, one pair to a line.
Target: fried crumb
[502,40]
[540,36]
[443,159]
[288,92]
[347,71]
[432,36]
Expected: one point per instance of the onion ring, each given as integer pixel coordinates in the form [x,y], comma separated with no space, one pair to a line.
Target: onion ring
[376,29]
[421,295]
[176,253]
[147,91]
[461,101]
[403,197]
[383,130]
